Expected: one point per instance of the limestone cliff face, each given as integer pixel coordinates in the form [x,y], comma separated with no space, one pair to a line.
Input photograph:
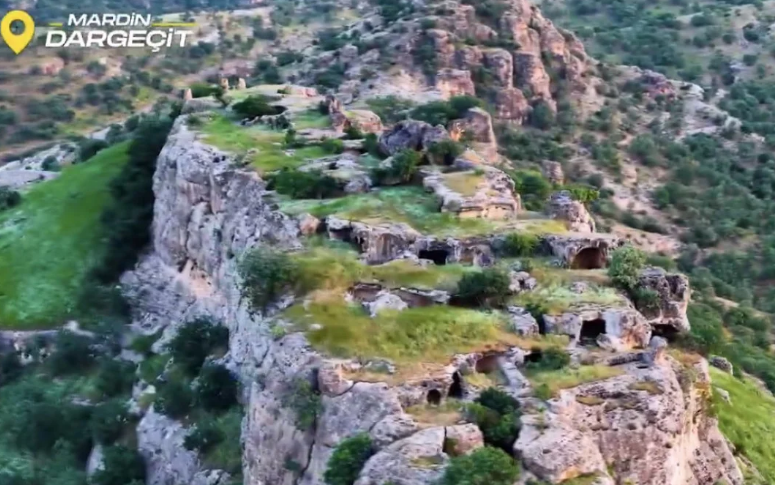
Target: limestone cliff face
[208,212]
[515,60]
[648,426]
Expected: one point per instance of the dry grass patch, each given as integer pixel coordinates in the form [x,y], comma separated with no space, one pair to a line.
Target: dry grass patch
[590,400]
[449,413]
[648,386]
[551,383]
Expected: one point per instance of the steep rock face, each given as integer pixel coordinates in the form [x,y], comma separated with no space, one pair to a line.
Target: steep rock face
[672,298]
[650,424]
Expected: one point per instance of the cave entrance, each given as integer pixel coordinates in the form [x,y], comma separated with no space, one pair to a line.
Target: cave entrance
[667,332]
[438,256]
[589,258]
[434,397]
[487,364]
[456,389]
[591,330]
[534,356]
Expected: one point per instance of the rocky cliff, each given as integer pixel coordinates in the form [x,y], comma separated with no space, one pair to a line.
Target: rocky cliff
[648,424]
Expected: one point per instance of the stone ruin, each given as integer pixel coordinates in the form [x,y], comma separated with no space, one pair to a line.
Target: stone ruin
[582,251]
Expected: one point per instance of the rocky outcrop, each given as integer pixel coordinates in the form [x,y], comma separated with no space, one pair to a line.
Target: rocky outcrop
[522,322]
[616,329]
[553,172]
[722,364]
[160,442]
[416,460]
[412,135]
[671,298]
[491,195]
[455,82]
[378,243]
[476,128]
[648,426]
[562,207]
[582,251]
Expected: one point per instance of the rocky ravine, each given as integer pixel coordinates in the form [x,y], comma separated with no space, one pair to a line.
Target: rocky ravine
[647,425]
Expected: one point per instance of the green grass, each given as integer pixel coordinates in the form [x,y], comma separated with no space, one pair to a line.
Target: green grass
[311,119]
[747,422]
[270,155]
[558,299]
[409,205]
[464,183]
[556,380]
[49,242]
[427,334]
[328,268]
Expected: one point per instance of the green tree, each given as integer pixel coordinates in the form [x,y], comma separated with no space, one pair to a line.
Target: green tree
[108,421]
[348,459]
[267,275]
[485,466]
[488,288]
[196,340]
[122,466]
[174,399]
[626,263]
[216,388]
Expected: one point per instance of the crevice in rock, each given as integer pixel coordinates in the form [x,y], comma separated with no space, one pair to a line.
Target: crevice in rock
[456,389]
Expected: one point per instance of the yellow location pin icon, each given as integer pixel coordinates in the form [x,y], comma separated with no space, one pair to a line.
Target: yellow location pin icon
[17,42]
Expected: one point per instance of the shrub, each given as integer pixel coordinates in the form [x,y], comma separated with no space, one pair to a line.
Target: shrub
[485,466]
[255,106]
[626,263]
[90,147]
[583,194]
[9,198]
[442,112]
[353,133]
[332,146]
[552,358]
[196,340]
[122,466]
[114,377]
[267,275]
[108,422]
[348,459]
[10,367]
[390,109]
[520,245]
[203,90]
[297,184]
[216,388]
[497,415]
[174,399]
[533,187]
[72,353]
[205,435]
[371,145]
[446,151]
[305,402]
[402,169]
[489,287]
[542,116]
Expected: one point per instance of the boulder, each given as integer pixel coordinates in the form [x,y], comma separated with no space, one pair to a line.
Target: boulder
[411,134]
[188,95]
[522,322]
[309,224]
[463,439]
[379,243]
[672,298]
[561,206]
[722,364]
[385,301]
[521,281]
[364,120]
[416,460]
[392,428]
[476,127]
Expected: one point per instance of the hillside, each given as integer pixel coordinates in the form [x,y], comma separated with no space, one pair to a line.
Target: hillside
[402,242]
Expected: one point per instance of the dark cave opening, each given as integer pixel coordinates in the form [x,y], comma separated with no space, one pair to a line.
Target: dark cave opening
[667,332]
[589,258]
[487,364]
[434,397]
[456,389]
[591,330]
[438,256]
[534,356]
